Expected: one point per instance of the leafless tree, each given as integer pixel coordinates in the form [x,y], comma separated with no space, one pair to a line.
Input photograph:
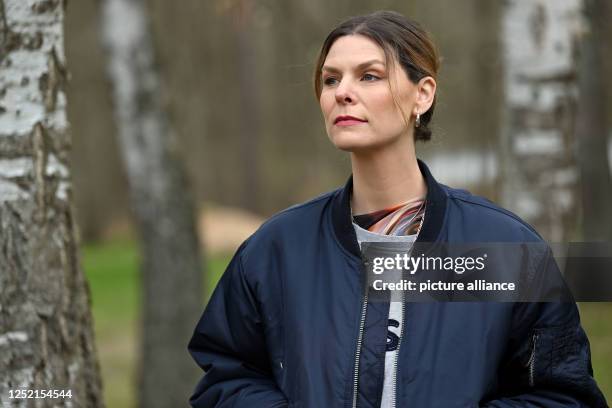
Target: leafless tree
[538,160]
[162,208]
[46,335]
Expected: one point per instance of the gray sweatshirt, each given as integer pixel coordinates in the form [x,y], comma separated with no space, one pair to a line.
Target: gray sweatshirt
[395,311]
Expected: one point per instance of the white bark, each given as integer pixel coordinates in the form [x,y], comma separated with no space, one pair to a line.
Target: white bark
[539,40]
[161,202]
[46,335]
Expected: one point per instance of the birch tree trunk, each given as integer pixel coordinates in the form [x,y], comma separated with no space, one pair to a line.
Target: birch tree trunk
[540,41]
[161,203]
[46,336]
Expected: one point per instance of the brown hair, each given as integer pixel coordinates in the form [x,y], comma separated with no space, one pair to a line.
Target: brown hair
[402,40]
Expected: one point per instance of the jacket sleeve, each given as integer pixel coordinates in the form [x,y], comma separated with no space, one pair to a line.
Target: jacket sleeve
[548,361]
[228,344]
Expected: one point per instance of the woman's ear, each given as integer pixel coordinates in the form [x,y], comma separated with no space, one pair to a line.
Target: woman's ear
[426,91]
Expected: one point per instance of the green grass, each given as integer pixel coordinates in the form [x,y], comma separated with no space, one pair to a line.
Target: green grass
[597,322]
[112,271]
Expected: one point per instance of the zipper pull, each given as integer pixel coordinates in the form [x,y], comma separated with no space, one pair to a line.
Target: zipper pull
[531,362]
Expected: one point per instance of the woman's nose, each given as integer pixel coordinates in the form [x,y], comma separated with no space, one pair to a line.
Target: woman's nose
[344,92]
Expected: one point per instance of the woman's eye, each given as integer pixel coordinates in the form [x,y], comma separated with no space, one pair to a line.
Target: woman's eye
[370,76]
[366,77]
[329,80]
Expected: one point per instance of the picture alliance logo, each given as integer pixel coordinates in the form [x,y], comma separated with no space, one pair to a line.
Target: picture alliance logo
[458,264]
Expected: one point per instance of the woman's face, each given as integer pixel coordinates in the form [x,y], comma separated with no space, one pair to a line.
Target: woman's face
[355,82]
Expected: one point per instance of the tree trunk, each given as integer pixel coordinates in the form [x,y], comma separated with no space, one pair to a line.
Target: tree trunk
[249,115]
[161,203]
[592,131]
[589,275]
[46,335]
[538,164]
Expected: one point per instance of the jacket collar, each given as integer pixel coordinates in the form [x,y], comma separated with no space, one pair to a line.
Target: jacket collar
[435,209]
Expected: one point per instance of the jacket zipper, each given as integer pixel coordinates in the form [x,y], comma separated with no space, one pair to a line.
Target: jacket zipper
[399,343]
[531,362]
[358,353]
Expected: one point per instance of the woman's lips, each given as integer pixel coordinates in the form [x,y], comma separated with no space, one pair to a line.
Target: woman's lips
[349,122]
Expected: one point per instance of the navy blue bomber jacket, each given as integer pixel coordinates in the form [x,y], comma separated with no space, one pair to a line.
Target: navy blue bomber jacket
[285,324]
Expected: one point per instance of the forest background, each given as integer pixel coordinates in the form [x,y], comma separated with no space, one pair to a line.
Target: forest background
[238,92]
[236,89]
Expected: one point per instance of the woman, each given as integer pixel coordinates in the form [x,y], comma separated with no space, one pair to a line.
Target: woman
[290,322]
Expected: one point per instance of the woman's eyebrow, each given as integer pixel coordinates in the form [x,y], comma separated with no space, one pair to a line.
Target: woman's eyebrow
[360,66]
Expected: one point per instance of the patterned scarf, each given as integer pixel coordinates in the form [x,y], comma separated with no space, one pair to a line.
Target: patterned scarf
[402,219]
